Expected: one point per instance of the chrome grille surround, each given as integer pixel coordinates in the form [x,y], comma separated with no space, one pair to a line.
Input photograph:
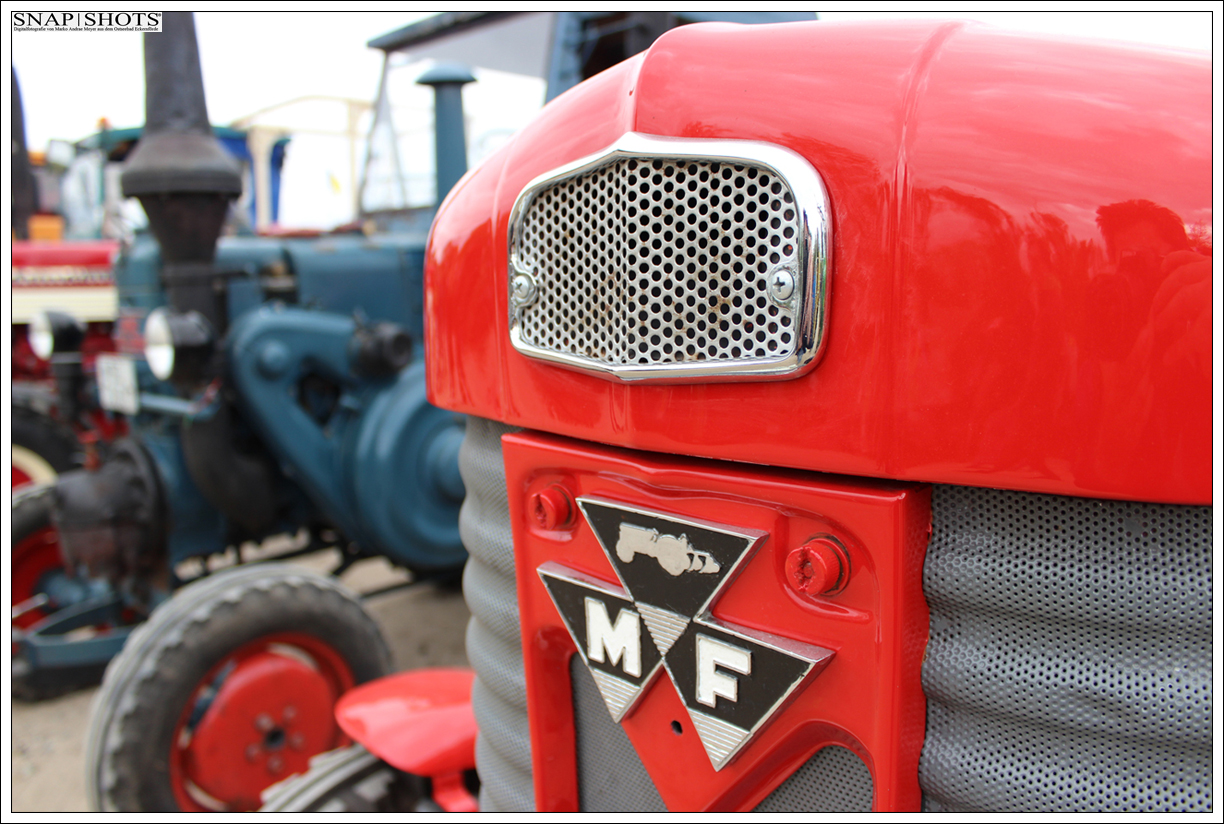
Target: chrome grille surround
[646,286]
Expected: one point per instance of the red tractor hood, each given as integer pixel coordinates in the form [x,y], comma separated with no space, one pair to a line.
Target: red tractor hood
[1019,276]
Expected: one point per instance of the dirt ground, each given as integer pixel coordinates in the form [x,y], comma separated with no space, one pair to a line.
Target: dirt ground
[423,626]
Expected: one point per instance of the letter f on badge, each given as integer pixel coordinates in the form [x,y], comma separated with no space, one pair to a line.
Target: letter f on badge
[710,682]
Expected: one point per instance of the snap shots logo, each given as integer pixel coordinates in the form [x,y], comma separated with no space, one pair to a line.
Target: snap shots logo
[732,679]
[87,21]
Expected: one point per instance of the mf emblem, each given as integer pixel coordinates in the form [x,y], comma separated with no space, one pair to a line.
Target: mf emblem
[731,679]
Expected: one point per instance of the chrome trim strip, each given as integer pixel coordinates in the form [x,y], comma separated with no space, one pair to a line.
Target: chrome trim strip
[813,248]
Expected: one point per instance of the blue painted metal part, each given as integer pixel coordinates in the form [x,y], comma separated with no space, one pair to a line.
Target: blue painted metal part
[278,163]
[450,142]
[64,590]
[403,469]
[372,279]
[383,278]
[383,464]
[573,31]
[167,405]
[138,274]
[45,647]
[196,527]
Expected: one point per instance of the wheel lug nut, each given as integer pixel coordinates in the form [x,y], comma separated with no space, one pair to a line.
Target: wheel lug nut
[551,508]
[264,722]
[290,713]
[252,752]
[818,567]
[275,764]
[297,741]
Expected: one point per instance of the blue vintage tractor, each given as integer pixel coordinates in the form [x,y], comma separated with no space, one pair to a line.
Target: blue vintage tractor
[280,391]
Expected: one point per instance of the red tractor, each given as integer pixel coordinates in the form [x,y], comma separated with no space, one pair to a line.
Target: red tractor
[52,430]
[840,436]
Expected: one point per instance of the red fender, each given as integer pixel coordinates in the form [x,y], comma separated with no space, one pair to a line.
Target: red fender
[420,722]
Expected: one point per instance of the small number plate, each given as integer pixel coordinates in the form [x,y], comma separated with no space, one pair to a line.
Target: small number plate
[117,386]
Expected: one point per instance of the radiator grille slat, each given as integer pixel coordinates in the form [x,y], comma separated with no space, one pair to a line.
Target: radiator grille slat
[503,748]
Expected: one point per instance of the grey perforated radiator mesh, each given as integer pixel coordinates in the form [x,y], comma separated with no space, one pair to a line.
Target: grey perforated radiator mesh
[1069,666]
[611,778]
[503,748]
[834,780]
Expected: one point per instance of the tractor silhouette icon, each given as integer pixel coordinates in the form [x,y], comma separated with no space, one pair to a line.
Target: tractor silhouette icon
[674,554]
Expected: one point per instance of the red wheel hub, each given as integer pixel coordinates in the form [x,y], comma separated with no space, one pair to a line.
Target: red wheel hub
[257,717]
[20,478]
[33,557]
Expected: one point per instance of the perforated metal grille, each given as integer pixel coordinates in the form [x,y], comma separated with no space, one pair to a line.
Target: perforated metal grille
[1068,668]
[1069,664]
[834,780]
[611,777]
[661,261]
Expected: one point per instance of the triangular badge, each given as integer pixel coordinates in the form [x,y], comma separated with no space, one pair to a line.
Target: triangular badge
[609,633]
[673,564]
[731,679]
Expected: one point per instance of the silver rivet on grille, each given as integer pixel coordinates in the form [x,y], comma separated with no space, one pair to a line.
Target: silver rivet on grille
[524,290]
[781,285]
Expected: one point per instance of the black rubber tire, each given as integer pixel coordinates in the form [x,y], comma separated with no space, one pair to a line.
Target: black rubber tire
[147,686]
[31,510]
[349,780]
[47,438]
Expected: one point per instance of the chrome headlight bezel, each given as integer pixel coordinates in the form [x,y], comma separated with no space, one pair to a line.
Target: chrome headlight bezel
[177,345]
[54,332]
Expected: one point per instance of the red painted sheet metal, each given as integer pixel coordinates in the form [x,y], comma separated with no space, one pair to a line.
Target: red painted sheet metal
[88,253]
[1020,280]
[869,697]
[420,722]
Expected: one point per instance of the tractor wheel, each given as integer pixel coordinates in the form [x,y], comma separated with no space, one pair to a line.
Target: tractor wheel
[350,780]
[228,688]
[39,579]
[36,559]
[35,548]
[42,448]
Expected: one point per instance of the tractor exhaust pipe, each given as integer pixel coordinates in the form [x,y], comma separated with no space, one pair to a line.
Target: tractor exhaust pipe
[450,141]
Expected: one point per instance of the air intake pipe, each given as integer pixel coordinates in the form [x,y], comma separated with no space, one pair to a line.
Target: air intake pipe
[182,176]
[185,181]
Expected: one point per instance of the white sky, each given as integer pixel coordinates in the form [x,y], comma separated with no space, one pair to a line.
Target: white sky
[251,60]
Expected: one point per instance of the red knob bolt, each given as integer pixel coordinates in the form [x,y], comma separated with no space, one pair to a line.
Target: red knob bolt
[552,508]
[816,567]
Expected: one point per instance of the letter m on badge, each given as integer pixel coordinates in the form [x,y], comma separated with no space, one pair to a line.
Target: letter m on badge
[610,634]
[622,641]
